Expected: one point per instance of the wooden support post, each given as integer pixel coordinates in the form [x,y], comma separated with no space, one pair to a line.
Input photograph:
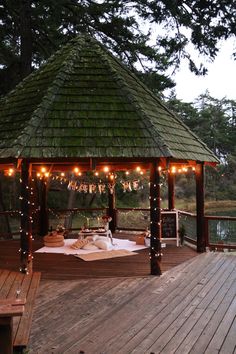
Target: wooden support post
[155,220]
[171,190]
[199,174]
[26,219]
[43,213]
[111,207]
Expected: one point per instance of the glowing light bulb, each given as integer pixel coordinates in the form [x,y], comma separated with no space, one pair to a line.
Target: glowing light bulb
[10,171]
[173,169]
[159,168]
[76,169]
[62,174]
[46,174]
[127,173]
[138,168]
[43,169]
[96,173]
[106,169]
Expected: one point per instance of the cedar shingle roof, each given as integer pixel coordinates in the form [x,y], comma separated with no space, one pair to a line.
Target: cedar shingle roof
[84,103]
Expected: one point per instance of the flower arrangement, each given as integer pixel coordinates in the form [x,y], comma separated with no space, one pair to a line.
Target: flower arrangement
[105,221]
[60,228]
[106,218]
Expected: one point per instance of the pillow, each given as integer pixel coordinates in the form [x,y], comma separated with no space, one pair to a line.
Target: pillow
[102,238]
[90,246]
[103,244]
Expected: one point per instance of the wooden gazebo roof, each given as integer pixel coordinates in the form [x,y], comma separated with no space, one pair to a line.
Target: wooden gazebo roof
[84,103]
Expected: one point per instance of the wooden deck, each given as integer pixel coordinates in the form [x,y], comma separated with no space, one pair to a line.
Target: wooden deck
[189,309]
[59,266]
[115,307]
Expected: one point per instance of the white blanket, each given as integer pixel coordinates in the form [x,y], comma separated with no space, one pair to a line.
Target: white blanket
[66,249]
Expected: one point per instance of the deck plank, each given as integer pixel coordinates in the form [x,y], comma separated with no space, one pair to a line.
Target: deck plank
[190,309]
[116,307]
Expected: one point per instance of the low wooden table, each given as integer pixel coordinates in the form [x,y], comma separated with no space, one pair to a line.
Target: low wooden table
[8,309]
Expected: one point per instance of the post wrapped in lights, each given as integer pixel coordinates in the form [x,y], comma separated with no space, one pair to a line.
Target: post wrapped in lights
[201,236]
[155,219]
[26,220]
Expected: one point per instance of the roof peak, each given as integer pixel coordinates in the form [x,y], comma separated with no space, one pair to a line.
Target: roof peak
[85,102]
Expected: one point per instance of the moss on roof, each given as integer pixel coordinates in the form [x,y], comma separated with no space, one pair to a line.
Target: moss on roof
[84,103]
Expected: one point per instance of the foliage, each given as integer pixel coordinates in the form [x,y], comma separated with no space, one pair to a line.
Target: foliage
[214,121]
[149,35]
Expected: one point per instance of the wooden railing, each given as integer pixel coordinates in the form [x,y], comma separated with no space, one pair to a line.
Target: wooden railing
[9,224]
[220,231]
[188,221]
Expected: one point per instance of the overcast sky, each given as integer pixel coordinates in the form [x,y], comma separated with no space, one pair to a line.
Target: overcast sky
[220,81]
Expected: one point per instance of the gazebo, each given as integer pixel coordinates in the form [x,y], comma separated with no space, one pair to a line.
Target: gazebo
[84,108]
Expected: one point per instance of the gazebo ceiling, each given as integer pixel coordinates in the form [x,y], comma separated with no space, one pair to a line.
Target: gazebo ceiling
[83,103]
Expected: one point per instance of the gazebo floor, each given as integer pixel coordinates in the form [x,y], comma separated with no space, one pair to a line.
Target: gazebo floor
[189,309]
[59,266]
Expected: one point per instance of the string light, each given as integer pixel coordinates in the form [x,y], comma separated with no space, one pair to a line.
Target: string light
[10,172]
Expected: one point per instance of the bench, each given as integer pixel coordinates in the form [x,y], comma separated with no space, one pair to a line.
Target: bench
[17,296]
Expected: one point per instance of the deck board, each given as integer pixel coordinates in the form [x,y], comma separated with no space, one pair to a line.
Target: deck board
[190,309]
[116,307]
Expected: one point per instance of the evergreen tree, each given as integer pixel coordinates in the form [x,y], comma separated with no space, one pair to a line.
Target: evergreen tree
[146,34]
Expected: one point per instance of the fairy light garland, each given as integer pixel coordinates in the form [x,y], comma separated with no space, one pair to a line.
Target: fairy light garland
[93,187]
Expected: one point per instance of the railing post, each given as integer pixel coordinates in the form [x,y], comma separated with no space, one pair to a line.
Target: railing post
[199,174]
[206,233]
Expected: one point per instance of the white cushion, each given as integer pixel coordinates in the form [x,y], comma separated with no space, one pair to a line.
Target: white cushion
[103,244]
[90,246]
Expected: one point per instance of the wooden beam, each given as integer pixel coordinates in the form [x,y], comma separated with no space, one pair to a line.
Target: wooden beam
[26,219]
[112,206]
[171,190]
[155,220]
[43,212]
[200,191]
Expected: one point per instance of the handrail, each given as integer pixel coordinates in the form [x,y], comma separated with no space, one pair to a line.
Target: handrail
[217,217]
